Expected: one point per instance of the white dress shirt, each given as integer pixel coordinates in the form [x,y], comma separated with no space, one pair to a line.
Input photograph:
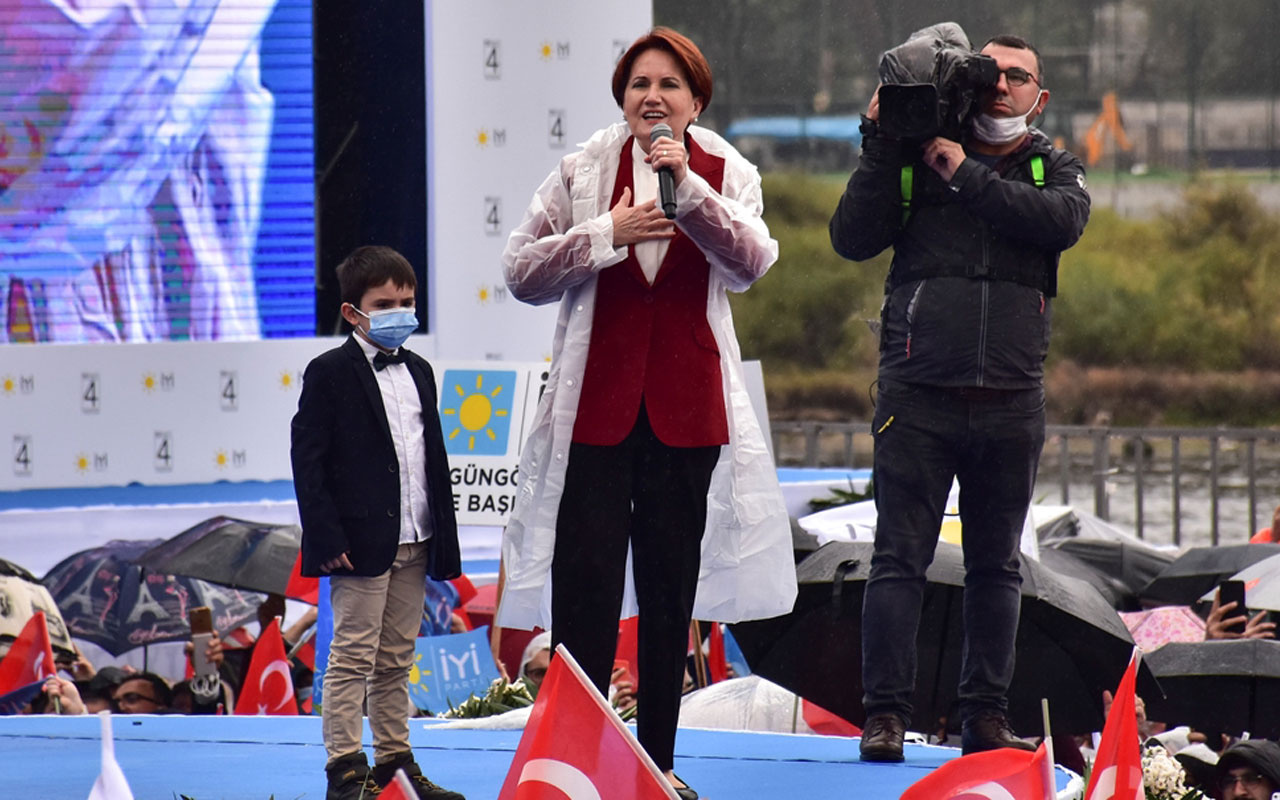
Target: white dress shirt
[403,407]
[644,187]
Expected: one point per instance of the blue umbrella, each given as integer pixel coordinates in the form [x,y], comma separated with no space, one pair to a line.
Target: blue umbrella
[107,599]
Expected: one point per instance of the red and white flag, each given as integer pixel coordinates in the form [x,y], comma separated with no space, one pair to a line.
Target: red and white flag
[1117,766]
[400,788]
[1003,774]
[268,686]
[575,745]
[30,659]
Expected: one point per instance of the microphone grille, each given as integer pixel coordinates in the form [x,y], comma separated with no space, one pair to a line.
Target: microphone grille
[661,129]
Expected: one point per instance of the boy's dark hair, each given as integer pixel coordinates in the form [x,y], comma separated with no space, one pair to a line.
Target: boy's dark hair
[369,267]
[1018,43]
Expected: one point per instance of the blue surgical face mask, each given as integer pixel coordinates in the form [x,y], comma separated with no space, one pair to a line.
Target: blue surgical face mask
[390,327]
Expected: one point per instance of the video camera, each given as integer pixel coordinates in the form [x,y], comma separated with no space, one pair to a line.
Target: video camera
[931,84]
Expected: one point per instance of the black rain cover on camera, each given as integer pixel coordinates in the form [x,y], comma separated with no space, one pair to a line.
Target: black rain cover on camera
[913,61]
[926,86]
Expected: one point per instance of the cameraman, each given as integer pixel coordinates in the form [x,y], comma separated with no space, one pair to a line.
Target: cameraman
[964,334]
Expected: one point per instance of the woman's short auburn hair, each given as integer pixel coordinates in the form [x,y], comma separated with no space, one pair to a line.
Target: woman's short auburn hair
[696,69]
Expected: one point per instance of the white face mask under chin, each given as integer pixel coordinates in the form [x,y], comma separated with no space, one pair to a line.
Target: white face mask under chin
[1002,130]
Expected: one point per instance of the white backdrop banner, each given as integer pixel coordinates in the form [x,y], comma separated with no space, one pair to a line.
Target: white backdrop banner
[198,412]
[513,87]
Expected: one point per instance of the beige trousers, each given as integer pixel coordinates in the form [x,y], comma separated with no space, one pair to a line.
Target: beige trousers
[375,627]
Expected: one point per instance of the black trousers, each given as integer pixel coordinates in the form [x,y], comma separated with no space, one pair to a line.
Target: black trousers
[654,497]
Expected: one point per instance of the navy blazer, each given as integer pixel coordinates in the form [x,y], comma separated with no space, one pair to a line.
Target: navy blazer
[346,475]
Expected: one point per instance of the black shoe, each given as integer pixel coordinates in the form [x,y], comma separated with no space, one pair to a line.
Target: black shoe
[685,792]
[882,738]
[350,779]
[385,772]
[987,730]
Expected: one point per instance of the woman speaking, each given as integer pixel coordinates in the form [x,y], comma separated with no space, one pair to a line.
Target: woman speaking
[645,438]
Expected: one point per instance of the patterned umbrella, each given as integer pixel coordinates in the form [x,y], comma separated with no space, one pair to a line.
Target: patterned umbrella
[1159,626]
[107,599]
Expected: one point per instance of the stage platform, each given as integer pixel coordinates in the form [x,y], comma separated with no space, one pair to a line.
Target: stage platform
[256,758]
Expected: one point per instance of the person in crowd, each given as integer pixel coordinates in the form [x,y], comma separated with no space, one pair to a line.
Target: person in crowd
[963,338]
[1249,770]
[535,660]
[376,504]
[1220,626]
[645,413]
[143,693]
[1269,535]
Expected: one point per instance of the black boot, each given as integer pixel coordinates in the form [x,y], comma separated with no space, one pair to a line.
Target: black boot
[987,730]
[882,738]
[350,778]
[385,772]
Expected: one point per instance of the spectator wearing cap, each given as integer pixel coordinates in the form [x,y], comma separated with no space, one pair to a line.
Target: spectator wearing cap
[1249,770]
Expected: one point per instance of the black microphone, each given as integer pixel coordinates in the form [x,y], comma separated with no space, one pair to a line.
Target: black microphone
[666,181]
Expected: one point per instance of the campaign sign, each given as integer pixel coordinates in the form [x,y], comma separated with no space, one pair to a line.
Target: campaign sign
[448,669]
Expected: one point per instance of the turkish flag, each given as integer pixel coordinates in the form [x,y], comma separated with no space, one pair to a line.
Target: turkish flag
[717,664]
[822,721]
[1117,766]
[268,687]
[301,588]
[575,745]
[30,659]
[1003,774]
[400,788]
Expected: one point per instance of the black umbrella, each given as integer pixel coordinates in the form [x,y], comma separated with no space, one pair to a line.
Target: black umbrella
[1228,685]
[107,599]
[1128,566]
[233,552]
[1071,644]
[1064,563]
[1200,569]
[1261,586]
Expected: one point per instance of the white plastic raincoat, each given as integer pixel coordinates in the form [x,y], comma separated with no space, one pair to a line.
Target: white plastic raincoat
[564,240]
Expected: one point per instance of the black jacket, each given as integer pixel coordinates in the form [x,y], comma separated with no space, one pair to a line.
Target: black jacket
[345,472]
[943,324]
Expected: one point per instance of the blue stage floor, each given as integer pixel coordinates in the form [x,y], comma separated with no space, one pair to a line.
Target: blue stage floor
[255,758]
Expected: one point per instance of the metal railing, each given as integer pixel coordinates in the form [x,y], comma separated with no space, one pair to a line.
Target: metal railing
[1212,462]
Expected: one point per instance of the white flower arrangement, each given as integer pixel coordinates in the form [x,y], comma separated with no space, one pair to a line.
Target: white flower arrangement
[1163,777]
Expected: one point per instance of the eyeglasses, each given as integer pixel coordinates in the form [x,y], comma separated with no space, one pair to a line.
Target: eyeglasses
[134,697]
[1017,76]
[1250,780]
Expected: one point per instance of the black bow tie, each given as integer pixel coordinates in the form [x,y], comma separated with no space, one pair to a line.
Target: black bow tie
[381,359]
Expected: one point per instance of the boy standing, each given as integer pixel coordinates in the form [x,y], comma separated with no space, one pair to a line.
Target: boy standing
[376,505]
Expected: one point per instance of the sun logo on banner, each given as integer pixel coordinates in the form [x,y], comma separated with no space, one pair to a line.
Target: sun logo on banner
[545,50]
[286,379]
[148,383]
[482,138]
[8,385]
[220,459]
[475,409]
[82,463]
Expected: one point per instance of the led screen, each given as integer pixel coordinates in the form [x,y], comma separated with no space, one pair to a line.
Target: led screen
[156,169]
